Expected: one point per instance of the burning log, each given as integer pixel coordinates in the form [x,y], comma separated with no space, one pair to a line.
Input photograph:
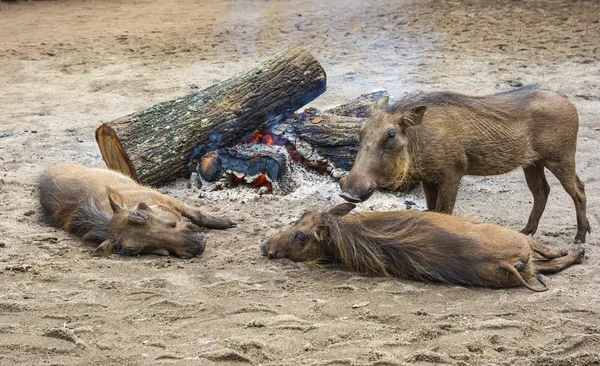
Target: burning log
[359,107]
[158,144]
[323,142]
[254,164]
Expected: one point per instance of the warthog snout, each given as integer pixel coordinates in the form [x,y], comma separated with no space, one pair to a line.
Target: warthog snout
[268,250]
[355,190]
[200,244]
[263,248]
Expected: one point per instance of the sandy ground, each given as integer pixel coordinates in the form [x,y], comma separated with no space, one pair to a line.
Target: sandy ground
[66,66]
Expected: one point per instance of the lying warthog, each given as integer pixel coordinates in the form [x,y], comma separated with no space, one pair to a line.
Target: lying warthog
[110,210]
[436,138]
[424,246]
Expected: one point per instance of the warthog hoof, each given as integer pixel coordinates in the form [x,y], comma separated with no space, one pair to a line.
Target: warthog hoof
[528,230]
[579,252]
[580,237]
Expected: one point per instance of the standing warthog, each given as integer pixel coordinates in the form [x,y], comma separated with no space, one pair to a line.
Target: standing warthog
[436,138]
[425,246]
[113,212]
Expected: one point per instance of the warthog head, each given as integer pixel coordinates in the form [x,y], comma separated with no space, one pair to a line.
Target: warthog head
[148,229]
[306,241]
[383,157]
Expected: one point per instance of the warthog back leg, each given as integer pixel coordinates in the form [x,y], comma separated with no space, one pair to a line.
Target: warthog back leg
[536,181]
[565,172]
[546,252]
[558,264]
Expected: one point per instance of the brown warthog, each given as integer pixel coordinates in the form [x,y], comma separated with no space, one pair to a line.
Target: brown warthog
[113,212]
[424,246]
[436,138]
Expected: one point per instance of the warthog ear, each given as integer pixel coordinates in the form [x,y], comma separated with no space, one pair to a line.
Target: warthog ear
[342,209]
[115,198]
[105,249]
[381,104]
[413,117]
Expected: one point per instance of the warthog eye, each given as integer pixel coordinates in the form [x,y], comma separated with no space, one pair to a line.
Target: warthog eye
[391,142]
[138,217]
[300,237]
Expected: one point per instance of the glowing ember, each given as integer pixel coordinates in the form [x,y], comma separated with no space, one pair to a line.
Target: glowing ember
[262,180]
[266,138]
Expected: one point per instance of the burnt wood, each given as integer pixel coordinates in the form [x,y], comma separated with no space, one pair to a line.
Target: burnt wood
[359,107]
[323,141]
[249,160]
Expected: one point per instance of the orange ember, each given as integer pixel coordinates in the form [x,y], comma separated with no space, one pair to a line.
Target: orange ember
[262,180]
[265,138]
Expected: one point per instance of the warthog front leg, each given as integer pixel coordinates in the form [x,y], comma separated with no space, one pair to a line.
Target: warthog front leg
[200,219]
[211,222]
[431,194]
[558,264]
[446,197]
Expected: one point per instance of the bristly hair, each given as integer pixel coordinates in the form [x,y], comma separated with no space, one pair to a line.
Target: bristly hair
[91,222]
[78,212]
[85,219]
[495,106]
[402,246]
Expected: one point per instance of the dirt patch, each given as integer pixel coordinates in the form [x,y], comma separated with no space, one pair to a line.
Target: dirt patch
[67,66]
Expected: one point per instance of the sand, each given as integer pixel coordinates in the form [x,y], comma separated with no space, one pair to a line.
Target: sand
[67,66]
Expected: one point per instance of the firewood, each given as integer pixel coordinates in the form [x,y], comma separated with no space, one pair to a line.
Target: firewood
[163,142]
[328,141]
[325,142]
[359,107]
[253,164]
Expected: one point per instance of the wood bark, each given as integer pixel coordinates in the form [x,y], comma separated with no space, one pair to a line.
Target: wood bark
[323,141]
[248,160]
[359,107]
[163,142]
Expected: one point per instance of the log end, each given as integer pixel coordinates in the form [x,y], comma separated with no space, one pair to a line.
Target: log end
[113,153]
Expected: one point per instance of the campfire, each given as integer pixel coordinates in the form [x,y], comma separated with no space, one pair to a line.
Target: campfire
[321,142]
[243,131]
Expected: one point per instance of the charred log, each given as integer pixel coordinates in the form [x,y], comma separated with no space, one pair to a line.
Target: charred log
[325,143]
[359,107]
[328,141]
[163,142]
[256,165]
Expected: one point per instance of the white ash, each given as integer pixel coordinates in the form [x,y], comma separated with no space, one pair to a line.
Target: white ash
[314,185]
